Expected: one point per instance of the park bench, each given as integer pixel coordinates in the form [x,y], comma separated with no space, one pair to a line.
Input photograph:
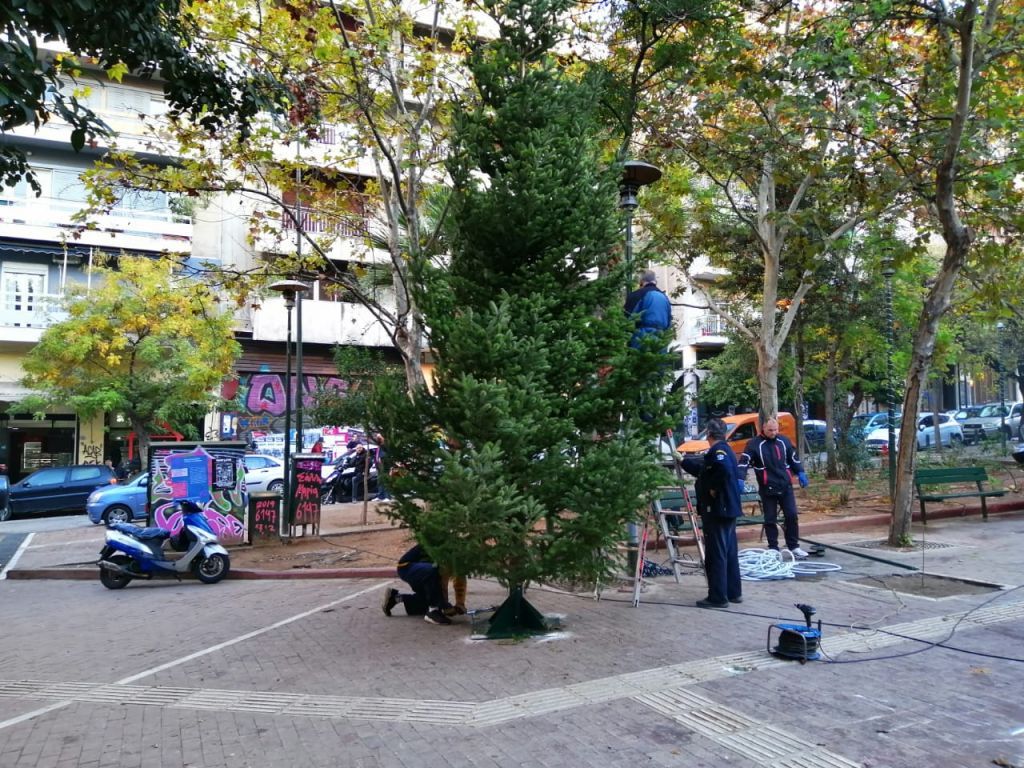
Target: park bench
[925,478]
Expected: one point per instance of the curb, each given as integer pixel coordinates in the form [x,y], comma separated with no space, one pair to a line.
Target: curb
[745,533]
[250,574]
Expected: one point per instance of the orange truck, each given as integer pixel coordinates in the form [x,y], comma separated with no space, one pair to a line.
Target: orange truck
[741,428]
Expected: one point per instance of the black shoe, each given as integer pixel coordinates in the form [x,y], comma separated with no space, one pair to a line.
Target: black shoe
[735,599]
[710,604]
[390,600]
[436,616]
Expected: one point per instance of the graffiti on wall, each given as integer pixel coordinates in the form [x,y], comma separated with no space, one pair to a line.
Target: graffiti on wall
[263,394]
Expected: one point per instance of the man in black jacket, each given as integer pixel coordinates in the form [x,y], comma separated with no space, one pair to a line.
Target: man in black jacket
[773,458]
[718,490]
[427,600]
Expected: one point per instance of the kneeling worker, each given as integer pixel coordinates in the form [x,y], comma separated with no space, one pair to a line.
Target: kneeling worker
[417,570]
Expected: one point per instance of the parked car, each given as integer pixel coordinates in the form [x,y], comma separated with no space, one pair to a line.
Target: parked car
[121,503]
[866,423]
[263,473]
[967,412]
[740,428]
[53,489]
[992,418]
[814,433]
[950,431]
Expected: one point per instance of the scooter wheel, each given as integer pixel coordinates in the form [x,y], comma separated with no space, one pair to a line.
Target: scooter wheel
[112,580]
[212,569]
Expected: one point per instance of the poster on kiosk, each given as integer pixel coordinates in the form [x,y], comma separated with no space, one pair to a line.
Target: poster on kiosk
[209,473]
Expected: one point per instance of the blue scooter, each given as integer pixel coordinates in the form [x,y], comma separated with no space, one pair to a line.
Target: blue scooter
[132,552]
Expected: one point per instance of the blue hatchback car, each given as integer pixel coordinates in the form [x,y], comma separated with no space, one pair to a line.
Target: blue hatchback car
[119,503]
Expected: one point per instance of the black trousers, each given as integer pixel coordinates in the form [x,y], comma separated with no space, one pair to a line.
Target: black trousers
[770,505]
[425,580]
[721,558]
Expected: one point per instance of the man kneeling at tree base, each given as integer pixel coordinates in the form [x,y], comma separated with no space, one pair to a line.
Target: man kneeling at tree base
[428,598]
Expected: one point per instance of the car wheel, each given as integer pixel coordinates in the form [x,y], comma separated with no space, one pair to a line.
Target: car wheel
[5,514]
[276,486]
[112,580]
[117,514]
[212,569]
[955,439]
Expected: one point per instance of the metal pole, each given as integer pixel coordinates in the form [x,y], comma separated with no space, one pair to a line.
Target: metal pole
[286,517]
[629,249]
[299,442]
[890,320]
[1002,409]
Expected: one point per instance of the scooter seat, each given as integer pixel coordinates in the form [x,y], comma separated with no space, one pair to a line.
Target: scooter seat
[140,533]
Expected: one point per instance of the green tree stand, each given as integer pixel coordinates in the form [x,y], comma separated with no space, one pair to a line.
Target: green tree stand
[516,617]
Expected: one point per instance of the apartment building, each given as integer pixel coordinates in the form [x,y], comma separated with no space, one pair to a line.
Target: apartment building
[43,252]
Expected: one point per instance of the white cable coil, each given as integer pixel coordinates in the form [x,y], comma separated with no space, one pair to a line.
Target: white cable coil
[770,564]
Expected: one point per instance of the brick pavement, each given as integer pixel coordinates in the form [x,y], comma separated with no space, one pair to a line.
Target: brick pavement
[314,643]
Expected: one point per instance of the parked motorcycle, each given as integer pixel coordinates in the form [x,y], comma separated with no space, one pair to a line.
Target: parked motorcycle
[133,552]
[345,484]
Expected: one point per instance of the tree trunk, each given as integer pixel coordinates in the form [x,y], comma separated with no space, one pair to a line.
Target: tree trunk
[767,381]
[831,465]
[796,348]
[142,444]
[958,239]
[939,299]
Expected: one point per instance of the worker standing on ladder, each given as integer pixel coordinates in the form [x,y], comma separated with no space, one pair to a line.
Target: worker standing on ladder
[719,487]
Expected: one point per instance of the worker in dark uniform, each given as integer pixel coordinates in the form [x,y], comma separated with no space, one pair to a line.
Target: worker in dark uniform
[428,600]
[773,458]
[719,487]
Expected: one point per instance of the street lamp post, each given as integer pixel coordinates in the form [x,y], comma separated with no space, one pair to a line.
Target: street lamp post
[635,174]
[289,289]
[887,272]
[1000,327]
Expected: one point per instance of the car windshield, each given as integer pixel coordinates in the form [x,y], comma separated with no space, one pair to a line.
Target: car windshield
[135,477]
[991,411]
[967,413]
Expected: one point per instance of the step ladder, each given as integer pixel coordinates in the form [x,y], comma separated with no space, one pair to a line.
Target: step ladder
[669,530]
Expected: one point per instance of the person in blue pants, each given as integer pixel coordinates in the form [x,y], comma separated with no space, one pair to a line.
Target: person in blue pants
[719,487]
[428,599]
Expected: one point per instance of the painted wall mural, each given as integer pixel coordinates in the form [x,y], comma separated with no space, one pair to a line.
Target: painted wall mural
[263,393]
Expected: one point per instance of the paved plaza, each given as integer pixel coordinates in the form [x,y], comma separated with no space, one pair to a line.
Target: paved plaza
[311,673]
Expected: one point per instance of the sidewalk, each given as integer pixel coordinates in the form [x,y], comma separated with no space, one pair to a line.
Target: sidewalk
[346,548]
[273,675]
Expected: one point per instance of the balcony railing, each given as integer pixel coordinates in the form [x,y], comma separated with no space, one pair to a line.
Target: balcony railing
[318,221]
[24,311]
[709,325]
[51,212]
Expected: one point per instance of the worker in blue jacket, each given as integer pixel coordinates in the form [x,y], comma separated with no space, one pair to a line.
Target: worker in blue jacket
[773,458]
[650,307]
[719,487]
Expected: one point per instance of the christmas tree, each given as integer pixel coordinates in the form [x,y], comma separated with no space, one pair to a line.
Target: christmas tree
[535,445]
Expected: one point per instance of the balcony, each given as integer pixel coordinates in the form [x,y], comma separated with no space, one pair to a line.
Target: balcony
[323,322]
[708,331]
[24,318]
[48,219]
[342,238]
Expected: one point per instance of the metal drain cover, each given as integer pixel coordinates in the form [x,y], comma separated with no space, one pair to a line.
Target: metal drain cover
[917,546]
